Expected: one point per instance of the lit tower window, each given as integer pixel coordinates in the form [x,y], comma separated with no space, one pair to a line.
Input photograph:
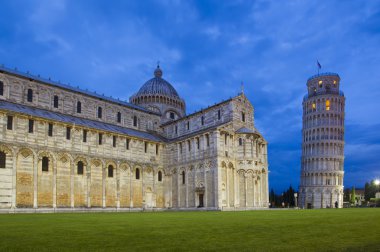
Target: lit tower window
[327,105]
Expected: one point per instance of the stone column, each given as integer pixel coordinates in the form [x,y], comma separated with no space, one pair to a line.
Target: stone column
[35,178]
[187,192]
[206,187]
[14,180]
[246,188]
[118,185]
[130,187]
[103,186]
[88,184]
[227,187]
[72,173]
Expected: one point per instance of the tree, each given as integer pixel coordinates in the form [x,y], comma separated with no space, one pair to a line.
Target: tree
[346,195]
[353,199]
[370,190]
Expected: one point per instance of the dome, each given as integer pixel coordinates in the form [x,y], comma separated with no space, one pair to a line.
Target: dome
[158,86]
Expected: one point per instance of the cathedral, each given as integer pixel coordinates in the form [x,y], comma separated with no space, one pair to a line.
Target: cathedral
[63,148]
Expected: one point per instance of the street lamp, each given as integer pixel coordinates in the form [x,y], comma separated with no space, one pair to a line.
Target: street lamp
[377,182]
[295,200]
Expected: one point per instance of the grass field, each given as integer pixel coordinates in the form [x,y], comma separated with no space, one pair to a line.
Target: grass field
[285,230]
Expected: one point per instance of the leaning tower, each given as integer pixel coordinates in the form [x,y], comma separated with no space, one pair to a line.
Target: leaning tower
[321,184]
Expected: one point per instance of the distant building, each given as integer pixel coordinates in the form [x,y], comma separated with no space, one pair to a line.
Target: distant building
[322,159]
[63,147]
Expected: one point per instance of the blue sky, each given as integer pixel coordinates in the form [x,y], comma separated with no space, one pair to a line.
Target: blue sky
[206,49]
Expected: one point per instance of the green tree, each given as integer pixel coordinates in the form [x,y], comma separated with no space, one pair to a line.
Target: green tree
[353,200]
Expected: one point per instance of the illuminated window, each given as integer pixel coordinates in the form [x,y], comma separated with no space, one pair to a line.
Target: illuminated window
[327,104]
[313,106]
[315,91]
[320,83]
[334,82]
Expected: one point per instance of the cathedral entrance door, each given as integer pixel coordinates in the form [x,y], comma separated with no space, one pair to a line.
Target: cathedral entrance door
[200,200]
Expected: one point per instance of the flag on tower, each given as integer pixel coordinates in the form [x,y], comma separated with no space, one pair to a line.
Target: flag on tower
[319,65]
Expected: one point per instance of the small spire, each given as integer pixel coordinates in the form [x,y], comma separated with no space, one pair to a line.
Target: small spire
[158,71]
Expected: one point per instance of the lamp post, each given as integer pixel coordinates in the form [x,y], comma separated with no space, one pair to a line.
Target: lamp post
[377,183]
[295,200]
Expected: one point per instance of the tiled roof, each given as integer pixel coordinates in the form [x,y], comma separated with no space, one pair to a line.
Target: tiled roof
[75,89]
[8,106]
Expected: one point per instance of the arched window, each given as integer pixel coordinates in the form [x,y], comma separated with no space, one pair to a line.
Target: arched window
[327,105]
[135,121]
[137,173]
[118,117]
[80,168]
[243,116]
[45,164]
[30,95]
[172,115]
[79,107]
[203,120]
[110,171]
[219,115]
[55,101]
[159,176]
[240,141]
[100,112]
[183,177]
[3,159]
[1,88]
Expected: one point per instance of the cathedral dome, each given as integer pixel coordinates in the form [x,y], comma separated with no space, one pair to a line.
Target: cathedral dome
[158,86]
[160,96]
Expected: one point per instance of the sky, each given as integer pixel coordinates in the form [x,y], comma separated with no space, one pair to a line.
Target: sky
[206,49]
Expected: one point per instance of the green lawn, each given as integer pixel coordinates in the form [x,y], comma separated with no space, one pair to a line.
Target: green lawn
[285,230]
